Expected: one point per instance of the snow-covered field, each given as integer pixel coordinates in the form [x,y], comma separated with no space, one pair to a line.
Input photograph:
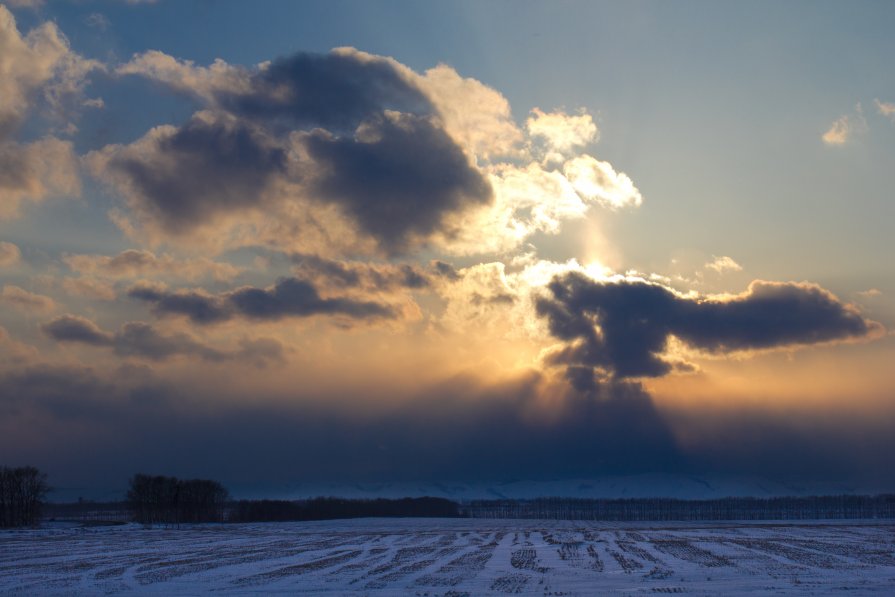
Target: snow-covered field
[453,557]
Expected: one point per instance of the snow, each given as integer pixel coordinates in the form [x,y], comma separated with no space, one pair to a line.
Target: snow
[432,557]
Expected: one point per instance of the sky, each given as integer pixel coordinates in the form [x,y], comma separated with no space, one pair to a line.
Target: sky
[354,242]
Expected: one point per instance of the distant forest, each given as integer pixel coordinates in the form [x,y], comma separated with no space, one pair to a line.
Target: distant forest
[667,509]
[168,501]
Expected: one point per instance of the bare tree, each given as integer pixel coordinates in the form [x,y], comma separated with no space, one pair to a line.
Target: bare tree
[168,500]
[22,491]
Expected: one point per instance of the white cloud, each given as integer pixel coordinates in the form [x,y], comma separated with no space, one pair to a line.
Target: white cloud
[25,3]
[870,293]
[887,109]
[475,115]
[723,264]
[34,171]
[562,134]
[185,77]
[37,69]
[846,127]
[599,182]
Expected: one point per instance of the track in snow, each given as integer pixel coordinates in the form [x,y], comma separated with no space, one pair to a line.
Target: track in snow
[453,557]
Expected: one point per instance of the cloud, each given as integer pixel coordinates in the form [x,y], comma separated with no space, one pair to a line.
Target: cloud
[34,171]
[599,182]
[621,328]
[338,90]
[379,159]
[846,127]
[398,178]
[475,115]
[89,288]
[139,339]
[26,65]
[9,254]
[370,277]
[887,109]
[134,263]
[15,354]
[21,299]
[870,293]
[72,328]
[723,264]
[561,133]
[184,77]
[37,69]
[180,178]
[345,130]
[38,66]
[434,437]
[289,297]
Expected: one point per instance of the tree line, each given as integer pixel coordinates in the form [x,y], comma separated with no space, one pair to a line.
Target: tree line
[330,508]
[156,499]
[662,509]
[22,491]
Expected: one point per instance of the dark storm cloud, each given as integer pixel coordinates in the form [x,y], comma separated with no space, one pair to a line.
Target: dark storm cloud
[459,431]
[202,169]
[435,437]
[142,340]
[289,297]
[337,90]
[622,327]
[398,180]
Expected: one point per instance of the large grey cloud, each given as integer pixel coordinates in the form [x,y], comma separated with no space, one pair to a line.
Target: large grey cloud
[622,328]
[131,421]
[337,90]
[187,176]
[398,179]
[343,130]
[140,339]
[288,297]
